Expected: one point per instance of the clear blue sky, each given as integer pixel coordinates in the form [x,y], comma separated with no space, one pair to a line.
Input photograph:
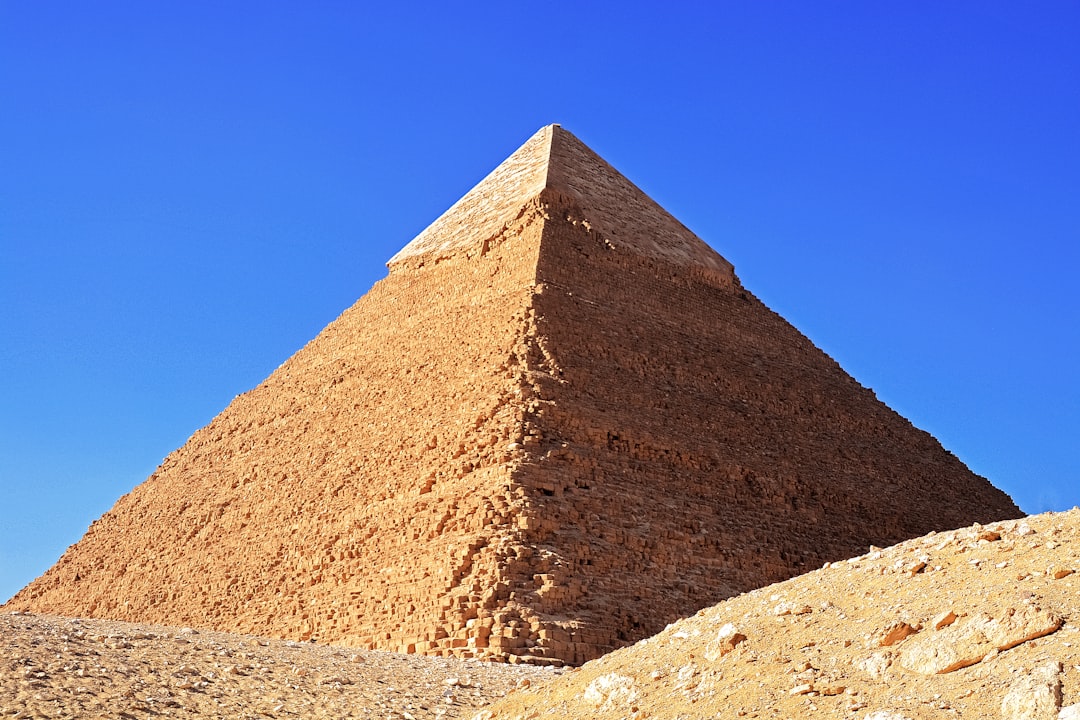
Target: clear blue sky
[191,191]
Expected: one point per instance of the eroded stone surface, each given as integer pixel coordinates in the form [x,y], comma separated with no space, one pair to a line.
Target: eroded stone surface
[727,639]
[970,640]
[1035,695]
[896,632]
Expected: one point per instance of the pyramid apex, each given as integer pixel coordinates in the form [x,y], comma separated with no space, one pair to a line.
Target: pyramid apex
[481,212]
[553,158]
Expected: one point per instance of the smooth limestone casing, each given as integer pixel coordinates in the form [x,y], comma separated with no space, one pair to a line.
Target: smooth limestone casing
[557,425]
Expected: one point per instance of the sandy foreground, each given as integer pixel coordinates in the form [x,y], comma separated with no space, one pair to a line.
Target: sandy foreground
[980,622]
[54,667]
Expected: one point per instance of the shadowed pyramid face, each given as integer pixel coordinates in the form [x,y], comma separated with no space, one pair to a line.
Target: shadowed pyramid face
[557,425]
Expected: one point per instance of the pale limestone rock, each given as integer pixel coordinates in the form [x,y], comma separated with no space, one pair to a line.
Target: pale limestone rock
[610,692]
[876,665]
[1072,712]
[1034,696]
[686,672]
[886,715]
[726,640]
[791,608]
[966,643]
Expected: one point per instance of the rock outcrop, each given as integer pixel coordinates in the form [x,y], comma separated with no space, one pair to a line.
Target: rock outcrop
[1013,624]
[559,424]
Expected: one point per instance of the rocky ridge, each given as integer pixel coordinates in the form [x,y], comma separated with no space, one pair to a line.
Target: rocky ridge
[980,622]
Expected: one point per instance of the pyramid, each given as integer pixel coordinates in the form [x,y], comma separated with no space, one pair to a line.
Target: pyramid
[558,424]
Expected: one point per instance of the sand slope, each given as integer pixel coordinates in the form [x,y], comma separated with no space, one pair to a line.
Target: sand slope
[919,630]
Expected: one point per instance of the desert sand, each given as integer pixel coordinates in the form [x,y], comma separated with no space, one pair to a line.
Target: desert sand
[55,667]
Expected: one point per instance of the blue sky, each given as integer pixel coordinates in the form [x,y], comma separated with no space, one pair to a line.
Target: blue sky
[190,191]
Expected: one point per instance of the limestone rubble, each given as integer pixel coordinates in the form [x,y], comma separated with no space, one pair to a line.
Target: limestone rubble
[55,667]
